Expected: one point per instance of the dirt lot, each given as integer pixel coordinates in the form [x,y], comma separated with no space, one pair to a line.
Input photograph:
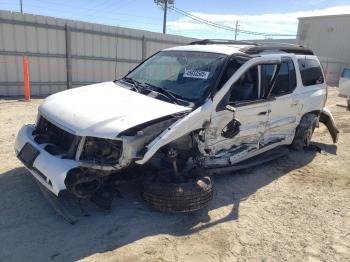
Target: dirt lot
[293,209]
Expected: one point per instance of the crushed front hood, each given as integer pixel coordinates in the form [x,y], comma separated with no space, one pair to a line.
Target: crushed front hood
[103,110]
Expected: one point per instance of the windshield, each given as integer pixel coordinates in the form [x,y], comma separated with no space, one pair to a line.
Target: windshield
[185,74]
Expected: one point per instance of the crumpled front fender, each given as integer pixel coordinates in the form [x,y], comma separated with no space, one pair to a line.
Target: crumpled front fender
[327,119]
[186,125]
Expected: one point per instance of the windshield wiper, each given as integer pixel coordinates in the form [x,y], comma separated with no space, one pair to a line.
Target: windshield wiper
[134,82]
[162,91]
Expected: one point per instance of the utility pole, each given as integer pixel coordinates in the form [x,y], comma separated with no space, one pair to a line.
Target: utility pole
[236,30]
[164,4]
[21,6]
[165,13]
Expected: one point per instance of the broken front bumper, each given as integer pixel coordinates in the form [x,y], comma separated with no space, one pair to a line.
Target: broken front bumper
[49,170]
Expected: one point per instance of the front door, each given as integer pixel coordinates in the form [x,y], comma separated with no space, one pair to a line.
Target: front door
[238,126]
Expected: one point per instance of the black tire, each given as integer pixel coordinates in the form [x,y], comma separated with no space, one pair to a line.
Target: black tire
[348,101]
[304,132]
[171,197]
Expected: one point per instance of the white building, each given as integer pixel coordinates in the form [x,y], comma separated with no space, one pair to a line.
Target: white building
[329,38]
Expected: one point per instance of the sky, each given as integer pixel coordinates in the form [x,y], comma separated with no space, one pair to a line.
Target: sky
[268,17]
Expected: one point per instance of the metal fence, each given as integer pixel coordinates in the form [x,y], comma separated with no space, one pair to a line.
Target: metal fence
[66,53]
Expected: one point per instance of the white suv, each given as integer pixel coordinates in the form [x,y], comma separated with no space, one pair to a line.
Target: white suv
[207,107]
[344,85]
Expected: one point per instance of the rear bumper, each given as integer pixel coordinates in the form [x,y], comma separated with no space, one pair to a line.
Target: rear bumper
[49,170]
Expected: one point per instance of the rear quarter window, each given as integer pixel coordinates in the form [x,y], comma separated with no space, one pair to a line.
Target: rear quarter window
[311,72]
[346,73]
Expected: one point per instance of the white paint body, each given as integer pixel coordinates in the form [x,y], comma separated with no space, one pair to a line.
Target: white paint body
[344,85]
[105,110]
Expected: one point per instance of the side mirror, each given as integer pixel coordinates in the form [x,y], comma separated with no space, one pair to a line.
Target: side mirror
[230,108]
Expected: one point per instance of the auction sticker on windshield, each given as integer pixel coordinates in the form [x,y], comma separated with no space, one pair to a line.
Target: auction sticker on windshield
[196,74]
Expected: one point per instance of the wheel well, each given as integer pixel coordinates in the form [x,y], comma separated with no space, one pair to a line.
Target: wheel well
[315,112]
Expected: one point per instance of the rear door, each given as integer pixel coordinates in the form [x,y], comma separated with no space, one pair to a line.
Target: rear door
[284,104]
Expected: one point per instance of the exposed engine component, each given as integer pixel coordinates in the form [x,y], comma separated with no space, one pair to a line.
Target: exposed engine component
[59,142]
[83,182]
[102,151]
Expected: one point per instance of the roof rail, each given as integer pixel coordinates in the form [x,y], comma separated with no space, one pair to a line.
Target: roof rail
[252,48]
[288,48]
[265,43]
[221,42]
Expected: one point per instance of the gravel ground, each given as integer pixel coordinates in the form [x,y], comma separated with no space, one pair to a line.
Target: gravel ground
[293,209]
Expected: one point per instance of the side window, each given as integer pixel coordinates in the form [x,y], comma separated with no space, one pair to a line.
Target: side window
[286,79]
[282,82]
[310,70]
[231,68]
[246,88]
[267,72]
[292,75]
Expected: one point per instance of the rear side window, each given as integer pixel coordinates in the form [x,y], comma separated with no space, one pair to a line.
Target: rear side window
[346,73]
[286,79]
[285,82]
[310,70]
[267,72]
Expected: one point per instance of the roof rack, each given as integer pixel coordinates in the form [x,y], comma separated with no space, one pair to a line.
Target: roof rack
[288,48]
[256,47]
[221,42]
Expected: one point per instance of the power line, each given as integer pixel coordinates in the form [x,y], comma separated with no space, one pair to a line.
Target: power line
[196,18]
[201,20]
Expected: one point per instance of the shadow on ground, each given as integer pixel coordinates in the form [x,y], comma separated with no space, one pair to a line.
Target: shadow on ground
[343,106]
[30,230]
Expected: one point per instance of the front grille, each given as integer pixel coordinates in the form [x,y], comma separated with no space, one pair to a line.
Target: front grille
[58,141]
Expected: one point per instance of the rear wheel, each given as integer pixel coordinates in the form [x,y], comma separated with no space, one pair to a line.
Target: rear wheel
[348,103]
[172,197]
[304,132]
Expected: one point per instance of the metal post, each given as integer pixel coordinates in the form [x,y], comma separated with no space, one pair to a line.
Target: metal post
[21,6]
[165,13]
[144,48]
[236,30]
[68,57]
[26,83]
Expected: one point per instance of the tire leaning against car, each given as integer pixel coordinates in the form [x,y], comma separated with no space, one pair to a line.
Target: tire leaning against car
[304,132]
[172,197]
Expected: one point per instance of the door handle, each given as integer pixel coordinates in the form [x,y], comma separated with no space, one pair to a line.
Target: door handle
[264,112]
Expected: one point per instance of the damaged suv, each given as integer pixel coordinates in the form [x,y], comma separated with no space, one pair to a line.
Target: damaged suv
[184,114]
